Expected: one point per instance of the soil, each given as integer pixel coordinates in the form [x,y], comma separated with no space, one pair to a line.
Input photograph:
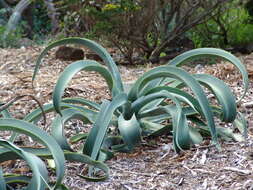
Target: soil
[153,164]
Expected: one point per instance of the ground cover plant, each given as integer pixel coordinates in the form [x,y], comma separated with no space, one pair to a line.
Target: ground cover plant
[153,105]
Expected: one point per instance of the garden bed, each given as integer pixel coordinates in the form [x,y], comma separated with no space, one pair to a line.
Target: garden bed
[153,164]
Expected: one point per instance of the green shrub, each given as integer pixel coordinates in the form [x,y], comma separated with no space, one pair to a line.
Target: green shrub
[249,7]
[242,34]
[12,40]
[141,30]
[3,16]
[153,105]
[13,37]
[229,28]
[41,23]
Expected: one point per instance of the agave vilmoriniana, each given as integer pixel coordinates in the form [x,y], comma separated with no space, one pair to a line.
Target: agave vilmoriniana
[140,110]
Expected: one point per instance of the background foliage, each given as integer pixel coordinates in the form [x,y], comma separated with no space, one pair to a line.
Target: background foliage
[226,27]
[142,30]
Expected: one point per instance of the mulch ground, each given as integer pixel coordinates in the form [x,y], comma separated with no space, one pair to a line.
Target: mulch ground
[153,164]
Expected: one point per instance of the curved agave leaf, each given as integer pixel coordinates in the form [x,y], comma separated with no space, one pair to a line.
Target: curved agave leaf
[82,101]
[241,124]
[152,104]
[156,115]
[70,71]
[42,137]
[36,114]
[78,137]
[151,128]
[223,94]
[14,178]
[213,52]
[180,95]
[228,134]
[224,133]
[86,159]
[92,46]
[217,111]
[130,131]
[46,154]
[154,83]
[181,137]
[188,80]
[111,141]
[155,129]
[97,134]
[5,114]
[40,174]
[160,113]
[195,135]
[138,104]
[58,123]
[2,180]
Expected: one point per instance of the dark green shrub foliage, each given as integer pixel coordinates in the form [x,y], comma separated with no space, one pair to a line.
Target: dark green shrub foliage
[225,28]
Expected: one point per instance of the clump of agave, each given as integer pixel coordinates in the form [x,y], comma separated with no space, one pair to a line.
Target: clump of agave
[155,104]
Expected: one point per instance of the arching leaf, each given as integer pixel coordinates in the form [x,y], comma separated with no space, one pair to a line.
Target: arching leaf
[41,136]
[92,46]
[70,71]
[217,53]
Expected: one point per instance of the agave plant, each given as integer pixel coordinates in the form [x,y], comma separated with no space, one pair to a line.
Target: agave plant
[153,105]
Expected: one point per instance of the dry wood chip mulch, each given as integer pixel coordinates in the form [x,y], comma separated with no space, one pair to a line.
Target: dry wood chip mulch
[154,164]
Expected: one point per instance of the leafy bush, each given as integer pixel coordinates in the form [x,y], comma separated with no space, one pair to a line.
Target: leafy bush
[249,7]
[116,22]
[242,34]
[33,16]
[12,39]
[141,30]
[3,16]
[155,104]
[225,28]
